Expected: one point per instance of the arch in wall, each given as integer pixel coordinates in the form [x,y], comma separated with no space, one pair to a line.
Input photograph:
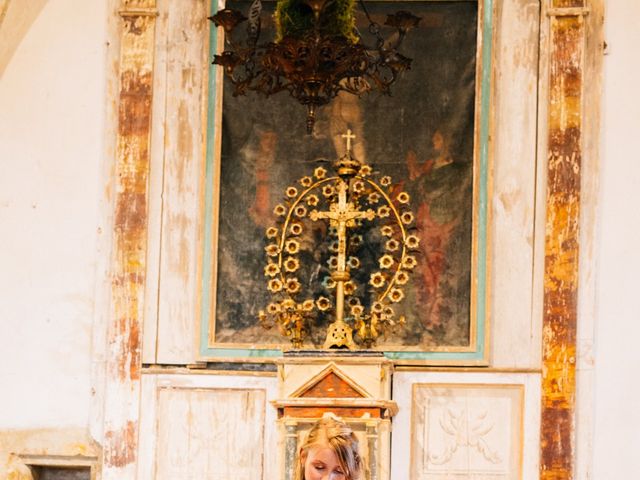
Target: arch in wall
[16,18]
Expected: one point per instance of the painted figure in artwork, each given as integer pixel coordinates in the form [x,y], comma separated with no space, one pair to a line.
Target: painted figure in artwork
[260,209]
[443,185]
[331,452]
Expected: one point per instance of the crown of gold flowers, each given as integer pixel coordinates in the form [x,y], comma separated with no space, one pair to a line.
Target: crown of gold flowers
[348,200]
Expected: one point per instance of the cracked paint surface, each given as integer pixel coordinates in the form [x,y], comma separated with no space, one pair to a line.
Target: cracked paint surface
[562,246]
[129,237]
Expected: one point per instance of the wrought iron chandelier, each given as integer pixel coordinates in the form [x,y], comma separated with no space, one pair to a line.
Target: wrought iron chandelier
[317,53]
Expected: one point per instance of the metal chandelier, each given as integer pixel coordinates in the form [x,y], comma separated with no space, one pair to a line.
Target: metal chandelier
[314,56]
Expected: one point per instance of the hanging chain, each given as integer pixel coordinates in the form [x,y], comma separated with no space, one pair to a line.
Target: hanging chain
[253,26]
[374,28]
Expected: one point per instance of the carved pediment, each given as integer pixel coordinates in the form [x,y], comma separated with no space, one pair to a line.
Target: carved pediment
[353,387]
[331,382]
[333,390]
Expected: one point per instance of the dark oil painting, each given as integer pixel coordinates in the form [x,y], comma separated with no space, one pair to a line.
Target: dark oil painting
[422,136]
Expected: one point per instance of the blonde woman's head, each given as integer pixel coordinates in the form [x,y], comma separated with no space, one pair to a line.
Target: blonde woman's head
[330,452]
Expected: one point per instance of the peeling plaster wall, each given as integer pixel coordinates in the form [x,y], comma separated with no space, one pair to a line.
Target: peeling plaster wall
[52,114]
[617,417]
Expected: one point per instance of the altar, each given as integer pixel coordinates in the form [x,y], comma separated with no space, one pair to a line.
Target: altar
[355,386]
[364,248]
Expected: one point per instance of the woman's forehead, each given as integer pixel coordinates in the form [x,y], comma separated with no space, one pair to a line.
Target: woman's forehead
[323,453]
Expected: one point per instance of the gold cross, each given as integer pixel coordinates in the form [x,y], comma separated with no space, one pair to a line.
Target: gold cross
[349,136]
[342,215]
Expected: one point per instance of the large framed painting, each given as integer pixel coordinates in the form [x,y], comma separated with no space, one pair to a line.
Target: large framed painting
[431,136]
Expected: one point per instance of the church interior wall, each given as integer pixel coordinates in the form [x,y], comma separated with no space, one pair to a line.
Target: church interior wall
[616,422]
[53,104]
[57,111]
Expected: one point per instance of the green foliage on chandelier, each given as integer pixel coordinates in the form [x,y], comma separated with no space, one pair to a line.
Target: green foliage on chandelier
[294,18]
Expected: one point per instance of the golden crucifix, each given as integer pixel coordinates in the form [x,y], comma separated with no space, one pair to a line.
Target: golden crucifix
[341,215]
[349,197]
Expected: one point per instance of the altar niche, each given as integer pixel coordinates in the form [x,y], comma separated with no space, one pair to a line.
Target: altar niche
[429,136]
[355,388]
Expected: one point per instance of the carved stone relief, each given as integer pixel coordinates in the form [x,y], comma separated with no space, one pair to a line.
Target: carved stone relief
[467,431]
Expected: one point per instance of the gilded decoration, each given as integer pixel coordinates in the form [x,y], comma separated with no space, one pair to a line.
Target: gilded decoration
[360,302]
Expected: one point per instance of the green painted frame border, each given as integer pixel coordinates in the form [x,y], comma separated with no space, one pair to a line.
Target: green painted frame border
[475,357]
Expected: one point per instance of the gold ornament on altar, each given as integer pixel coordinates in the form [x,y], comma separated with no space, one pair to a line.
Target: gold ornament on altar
[361,303]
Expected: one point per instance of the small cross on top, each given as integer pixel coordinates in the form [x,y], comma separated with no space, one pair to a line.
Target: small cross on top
[349,136]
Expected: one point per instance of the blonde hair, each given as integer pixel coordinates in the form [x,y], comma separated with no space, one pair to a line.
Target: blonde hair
[332,432]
